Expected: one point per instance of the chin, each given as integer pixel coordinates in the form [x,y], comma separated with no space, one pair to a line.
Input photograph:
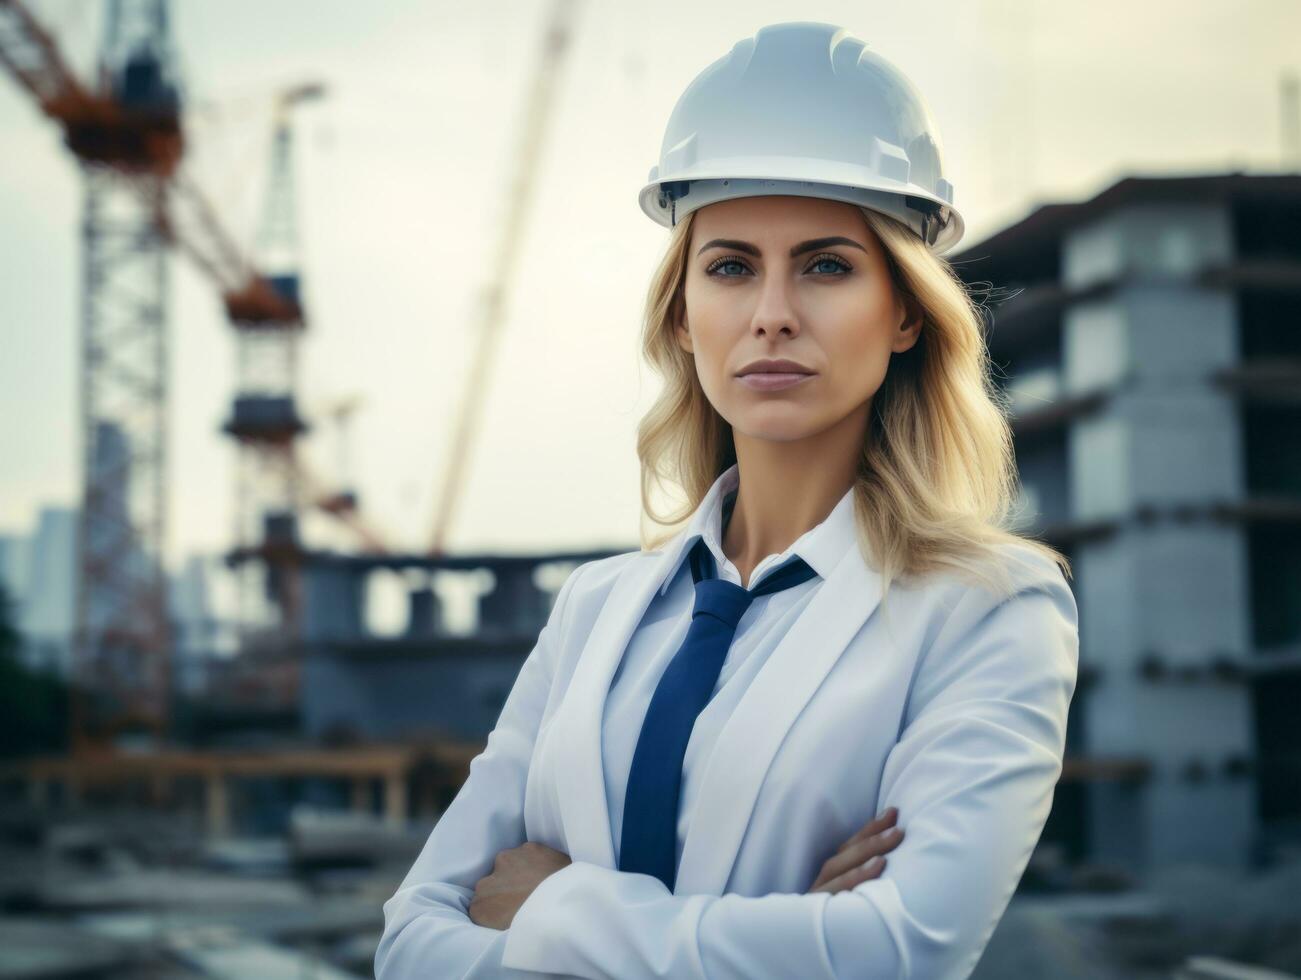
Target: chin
[790,430]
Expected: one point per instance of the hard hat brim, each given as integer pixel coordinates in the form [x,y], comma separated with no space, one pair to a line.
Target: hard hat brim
[668,206]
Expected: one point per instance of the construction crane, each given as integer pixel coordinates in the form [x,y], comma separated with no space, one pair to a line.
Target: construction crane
[266,313]
[492,306]
[264,306]
[126,133]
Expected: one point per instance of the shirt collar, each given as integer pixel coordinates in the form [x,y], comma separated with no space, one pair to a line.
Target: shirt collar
[822,546]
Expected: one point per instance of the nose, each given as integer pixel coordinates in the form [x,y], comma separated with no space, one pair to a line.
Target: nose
[775,312]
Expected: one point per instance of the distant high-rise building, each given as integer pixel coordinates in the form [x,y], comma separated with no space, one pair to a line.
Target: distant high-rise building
[47,601]
[197,630]
[39,574]
[13,564]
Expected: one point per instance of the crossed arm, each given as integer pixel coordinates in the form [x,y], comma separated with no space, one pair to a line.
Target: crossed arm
[428,932]
[972,776]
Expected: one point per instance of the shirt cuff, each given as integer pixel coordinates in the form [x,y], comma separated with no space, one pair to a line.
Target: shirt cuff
[523,934]
[557,898]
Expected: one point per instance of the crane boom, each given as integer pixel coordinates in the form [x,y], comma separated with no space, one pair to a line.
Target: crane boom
[537,118]
[34,59]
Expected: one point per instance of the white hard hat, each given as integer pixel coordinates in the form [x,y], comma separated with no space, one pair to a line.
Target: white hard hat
[805,109]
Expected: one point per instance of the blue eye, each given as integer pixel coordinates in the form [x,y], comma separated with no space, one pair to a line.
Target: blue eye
[837,264]
[825,265]
[724,261]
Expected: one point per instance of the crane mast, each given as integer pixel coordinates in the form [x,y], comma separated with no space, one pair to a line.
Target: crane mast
[126,135]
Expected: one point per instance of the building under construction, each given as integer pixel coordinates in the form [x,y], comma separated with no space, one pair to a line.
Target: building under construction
[1151,351]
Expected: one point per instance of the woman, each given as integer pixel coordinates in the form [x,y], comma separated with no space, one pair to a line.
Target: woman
[711,739]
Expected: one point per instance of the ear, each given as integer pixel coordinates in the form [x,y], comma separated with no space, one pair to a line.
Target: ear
[910,325]
[680,331]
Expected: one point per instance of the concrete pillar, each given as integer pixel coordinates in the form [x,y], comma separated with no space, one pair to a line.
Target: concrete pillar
[516,606]
[217,803]
[395,799]
[426,612]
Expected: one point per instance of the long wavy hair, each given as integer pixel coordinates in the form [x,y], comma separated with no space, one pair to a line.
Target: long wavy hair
[937,482]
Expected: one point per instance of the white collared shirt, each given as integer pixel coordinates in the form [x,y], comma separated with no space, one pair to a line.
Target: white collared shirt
[663,629]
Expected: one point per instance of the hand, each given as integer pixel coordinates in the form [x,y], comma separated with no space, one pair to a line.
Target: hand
[515,873]
[850,866]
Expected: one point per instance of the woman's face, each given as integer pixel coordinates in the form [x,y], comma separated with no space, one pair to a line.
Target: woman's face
[797,278]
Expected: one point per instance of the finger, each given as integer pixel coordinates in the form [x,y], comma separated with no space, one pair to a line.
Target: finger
[873,827]
[858,875]
[854,876]
[880,843]
[856,854]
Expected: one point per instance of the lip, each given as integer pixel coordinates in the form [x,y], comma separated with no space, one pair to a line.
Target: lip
[772,380]
[780,365]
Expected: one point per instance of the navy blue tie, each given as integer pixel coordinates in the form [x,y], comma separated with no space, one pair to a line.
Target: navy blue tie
[650,807]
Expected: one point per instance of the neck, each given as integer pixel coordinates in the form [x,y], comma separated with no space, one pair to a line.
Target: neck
[787,488]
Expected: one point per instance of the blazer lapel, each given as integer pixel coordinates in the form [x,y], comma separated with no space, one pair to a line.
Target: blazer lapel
[584,810]
[751,736]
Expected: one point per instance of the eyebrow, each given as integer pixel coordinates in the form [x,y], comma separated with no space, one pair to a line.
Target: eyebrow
[800,249]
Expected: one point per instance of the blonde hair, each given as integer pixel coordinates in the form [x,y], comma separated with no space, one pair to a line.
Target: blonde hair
[937,481]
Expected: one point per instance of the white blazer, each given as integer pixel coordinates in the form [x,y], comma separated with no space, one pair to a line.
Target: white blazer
[944,701]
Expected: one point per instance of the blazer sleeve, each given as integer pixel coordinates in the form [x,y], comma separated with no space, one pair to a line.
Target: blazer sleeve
[972,773]
[427,929]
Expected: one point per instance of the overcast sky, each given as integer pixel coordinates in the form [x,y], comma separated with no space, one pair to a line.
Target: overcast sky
[401,173]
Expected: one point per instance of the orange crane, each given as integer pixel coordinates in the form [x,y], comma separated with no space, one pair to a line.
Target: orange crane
[130,123]
[127,135]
